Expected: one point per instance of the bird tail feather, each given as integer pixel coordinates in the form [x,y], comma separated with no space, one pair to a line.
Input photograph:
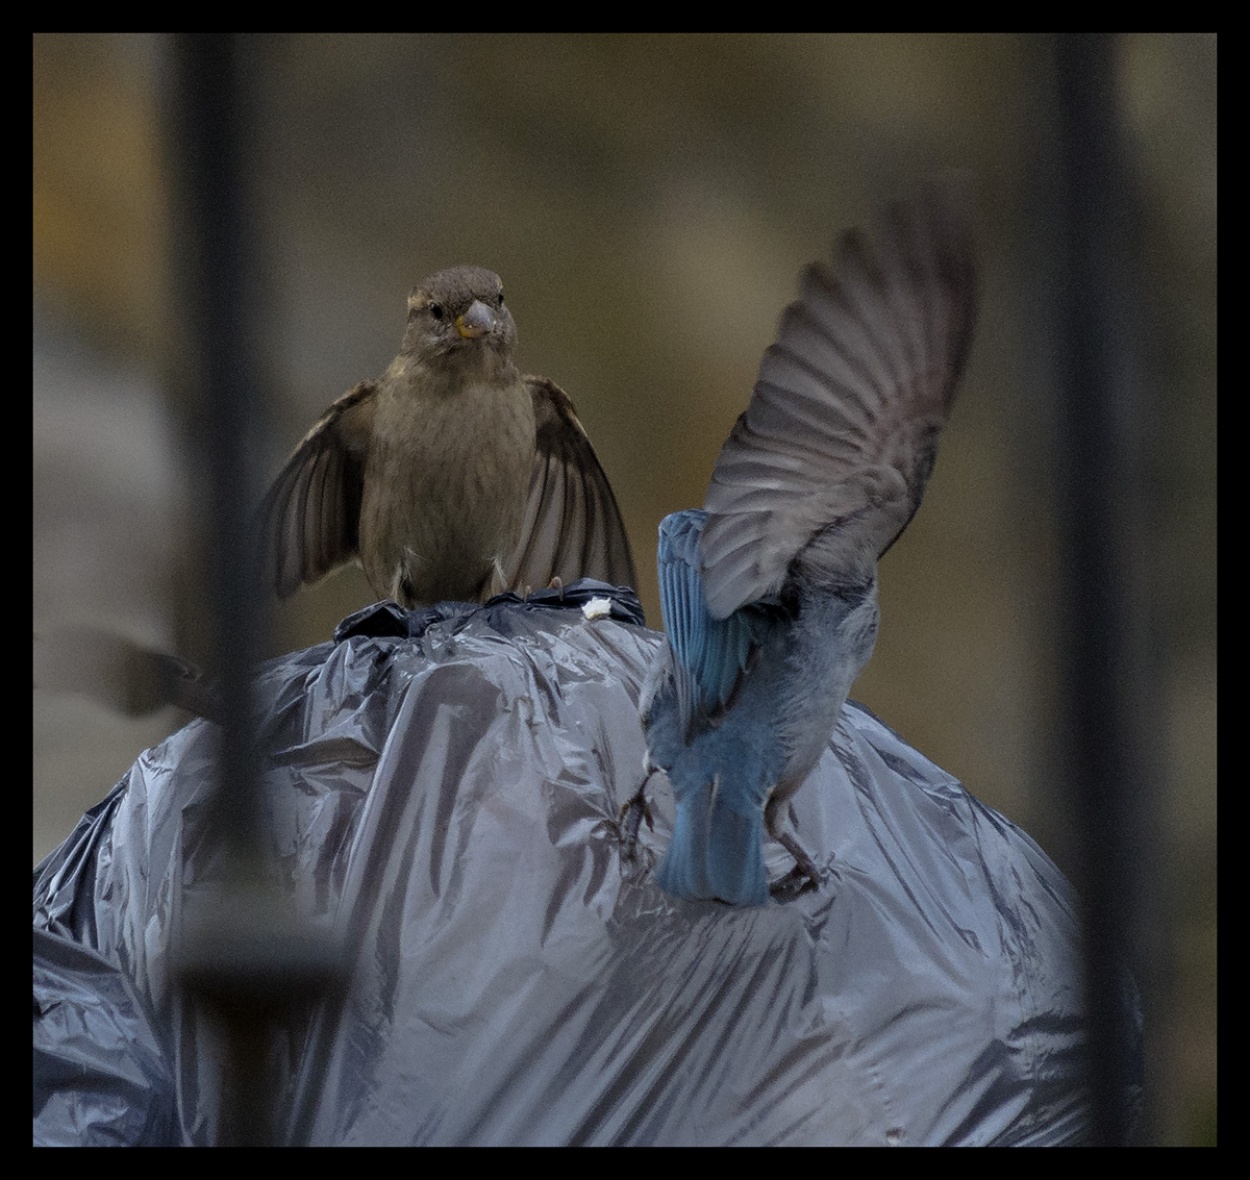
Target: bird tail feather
[716,853]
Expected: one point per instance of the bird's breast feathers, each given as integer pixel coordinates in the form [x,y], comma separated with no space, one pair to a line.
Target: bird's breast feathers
[453,474]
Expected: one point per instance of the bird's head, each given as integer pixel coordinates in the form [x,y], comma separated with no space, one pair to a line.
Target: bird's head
[459,311]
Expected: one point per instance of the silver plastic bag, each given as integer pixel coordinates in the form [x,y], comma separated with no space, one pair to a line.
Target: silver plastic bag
[445,789]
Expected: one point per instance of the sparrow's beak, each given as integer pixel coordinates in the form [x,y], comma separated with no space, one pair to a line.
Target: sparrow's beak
[476,321]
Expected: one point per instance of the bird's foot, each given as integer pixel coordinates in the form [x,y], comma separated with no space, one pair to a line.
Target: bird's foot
[804,876]
[633,812]
[794,883]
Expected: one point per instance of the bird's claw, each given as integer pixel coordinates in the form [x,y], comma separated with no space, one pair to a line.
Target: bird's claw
[633,812]
[794,883]
[804,876]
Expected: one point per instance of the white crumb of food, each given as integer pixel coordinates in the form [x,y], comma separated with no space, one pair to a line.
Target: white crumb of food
[597,608]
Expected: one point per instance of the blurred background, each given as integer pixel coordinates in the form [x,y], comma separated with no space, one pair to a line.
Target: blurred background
[649,202]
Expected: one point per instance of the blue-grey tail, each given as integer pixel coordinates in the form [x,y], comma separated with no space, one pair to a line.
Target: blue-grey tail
[717,852]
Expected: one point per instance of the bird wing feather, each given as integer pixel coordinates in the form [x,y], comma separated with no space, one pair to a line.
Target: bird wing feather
[572,527]
[831,456]
[309,521]
[710,654]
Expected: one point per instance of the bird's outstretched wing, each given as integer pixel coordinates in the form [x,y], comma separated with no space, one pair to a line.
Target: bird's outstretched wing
[834,449]
[309,521]
[119,673]
[572,527]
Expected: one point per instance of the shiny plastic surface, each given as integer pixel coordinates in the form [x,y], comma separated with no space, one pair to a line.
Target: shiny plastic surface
[446,788]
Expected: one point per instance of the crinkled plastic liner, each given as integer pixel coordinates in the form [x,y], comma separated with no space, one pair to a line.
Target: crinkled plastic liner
[447,786]
[100,1077]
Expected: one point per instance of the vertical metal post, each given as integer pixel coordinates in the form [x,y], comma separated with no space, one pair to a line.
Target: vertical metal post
[245,955]
[215,299]
[1101,419]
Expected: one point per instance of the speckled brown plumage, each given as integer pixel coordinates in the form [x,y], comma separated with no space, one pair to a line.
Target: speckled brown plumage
[451,476]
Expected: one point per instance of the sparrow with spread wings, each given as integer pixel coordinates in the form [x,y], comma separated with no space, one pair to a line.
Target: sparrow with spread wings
[451,476]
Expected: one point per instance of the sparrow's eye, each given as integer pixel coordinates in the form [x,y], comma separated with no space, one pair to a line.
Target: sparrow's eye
[499,300]
[436,310]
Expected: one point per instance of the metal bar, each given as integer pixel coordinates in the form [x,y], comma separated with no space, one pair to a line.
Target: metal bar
[1101,404]
[246,956]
